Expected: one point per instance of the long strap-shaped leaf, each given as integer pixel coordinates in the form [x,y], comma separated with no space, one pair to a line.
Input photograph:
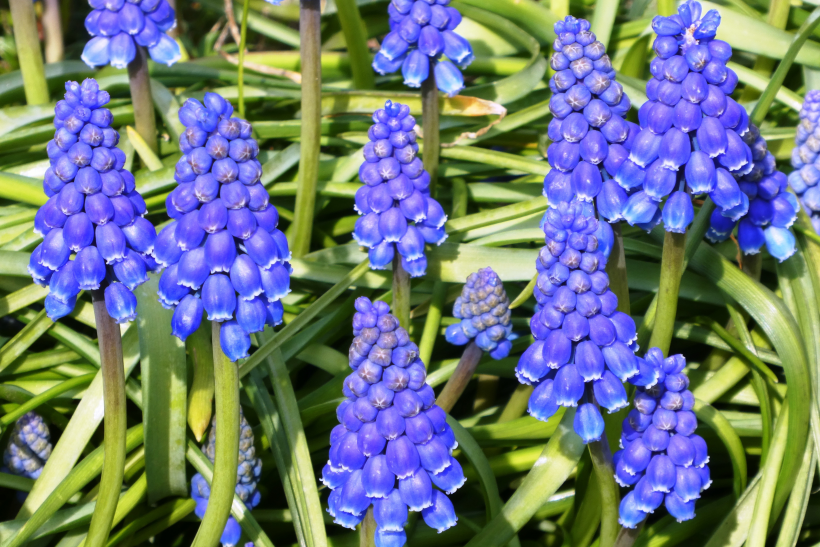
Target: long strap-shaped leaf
[720,425]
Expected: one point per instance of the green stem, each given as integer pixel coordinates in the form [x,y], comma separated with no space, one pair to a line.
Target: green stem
[26,38]
[671,271]
[240,71]
[355,35]
[430,122]
[616,269]
[433,321]
[140,83]
[627,536]
[311,131]
[401,292]
[610,496]
[52,31]
[367,532]
[113,374]
[461,377]
[226,380]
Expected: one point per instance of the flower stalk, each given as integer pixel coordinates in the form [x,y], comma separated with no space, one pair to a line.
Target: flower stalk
[430,123]
[401,292]
[52,31]
[672,264]
[355,35]
[461,377]
[28,52]
[310,52]
[113,374]
[140,82]
[601,456]
[226,382]
[616,270]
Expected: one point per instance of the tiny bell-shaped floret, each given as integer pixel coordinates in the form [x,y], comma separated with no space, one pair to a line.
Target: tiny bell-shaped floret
[484,314]
[29,448]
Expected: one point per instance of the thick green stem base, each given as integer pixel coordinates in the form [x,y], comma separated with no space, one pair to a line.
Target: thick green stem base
[672,263]
[113,374]
[610,496]
[461,377]
[226,462]
[140,83]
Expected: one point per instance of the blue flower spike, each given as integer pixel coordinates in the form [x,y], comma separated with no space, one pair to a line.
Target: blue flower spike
[484,312]
[661,457]
[118,28]
[222,253]
[692,132]
[94,232]
[590,137]
[29,447]
[421,31]
[397,212]
[771,208]
[247,479]
[393,443]
[584,348]
[805,158]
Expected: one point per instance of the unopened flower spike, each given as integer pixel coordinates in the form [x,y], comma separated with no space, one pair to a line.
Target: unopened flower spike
[397,211]
[247,479]
[661,458]
[93,212]
[392,444]
[222,252]
[484,312]
[29,447]
[118,27]
[691,138]
[590,137]
[421,31]
[584,348]
[772,208]
[805,159]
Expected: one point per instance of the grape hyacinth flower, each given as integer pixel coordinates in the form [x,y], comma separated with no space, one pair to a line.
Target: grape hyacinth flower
[223,253]
[661,457]
[247,479]
[93,212]
[484,311]
[691,129]
[584,348]
[392,443]
[421,31]
[590,137]
[772,209]
[397,211]
[29,447]
[118,27]
[805,159]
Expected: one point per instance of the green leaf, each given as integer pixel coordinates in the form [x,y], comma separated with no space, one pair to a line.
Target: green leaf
[164,395]
[29,334]
[22,189]
[712,417]
[11,83]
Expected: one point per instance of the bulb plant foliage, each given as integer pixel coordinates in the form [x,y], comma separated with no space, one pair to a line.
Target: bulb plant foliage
[805,160]
[119,27]
[484,312]
[662,460]
[398,214]
[222,251]
[584,348]
[392,444]
[247,479]
[421,32]
[94,232]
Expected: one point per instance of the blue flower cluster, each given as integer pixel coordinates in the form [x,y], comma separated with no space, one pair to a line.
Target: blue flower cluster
[222,251]
[590,137]
[584,348]
[690,140]
[247,479]
[29,447]
[484,310]
[93,210]
[661,456]
[805,159]
[396,192]
[772,208]
[421,31]
[390,430]
[119,26]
